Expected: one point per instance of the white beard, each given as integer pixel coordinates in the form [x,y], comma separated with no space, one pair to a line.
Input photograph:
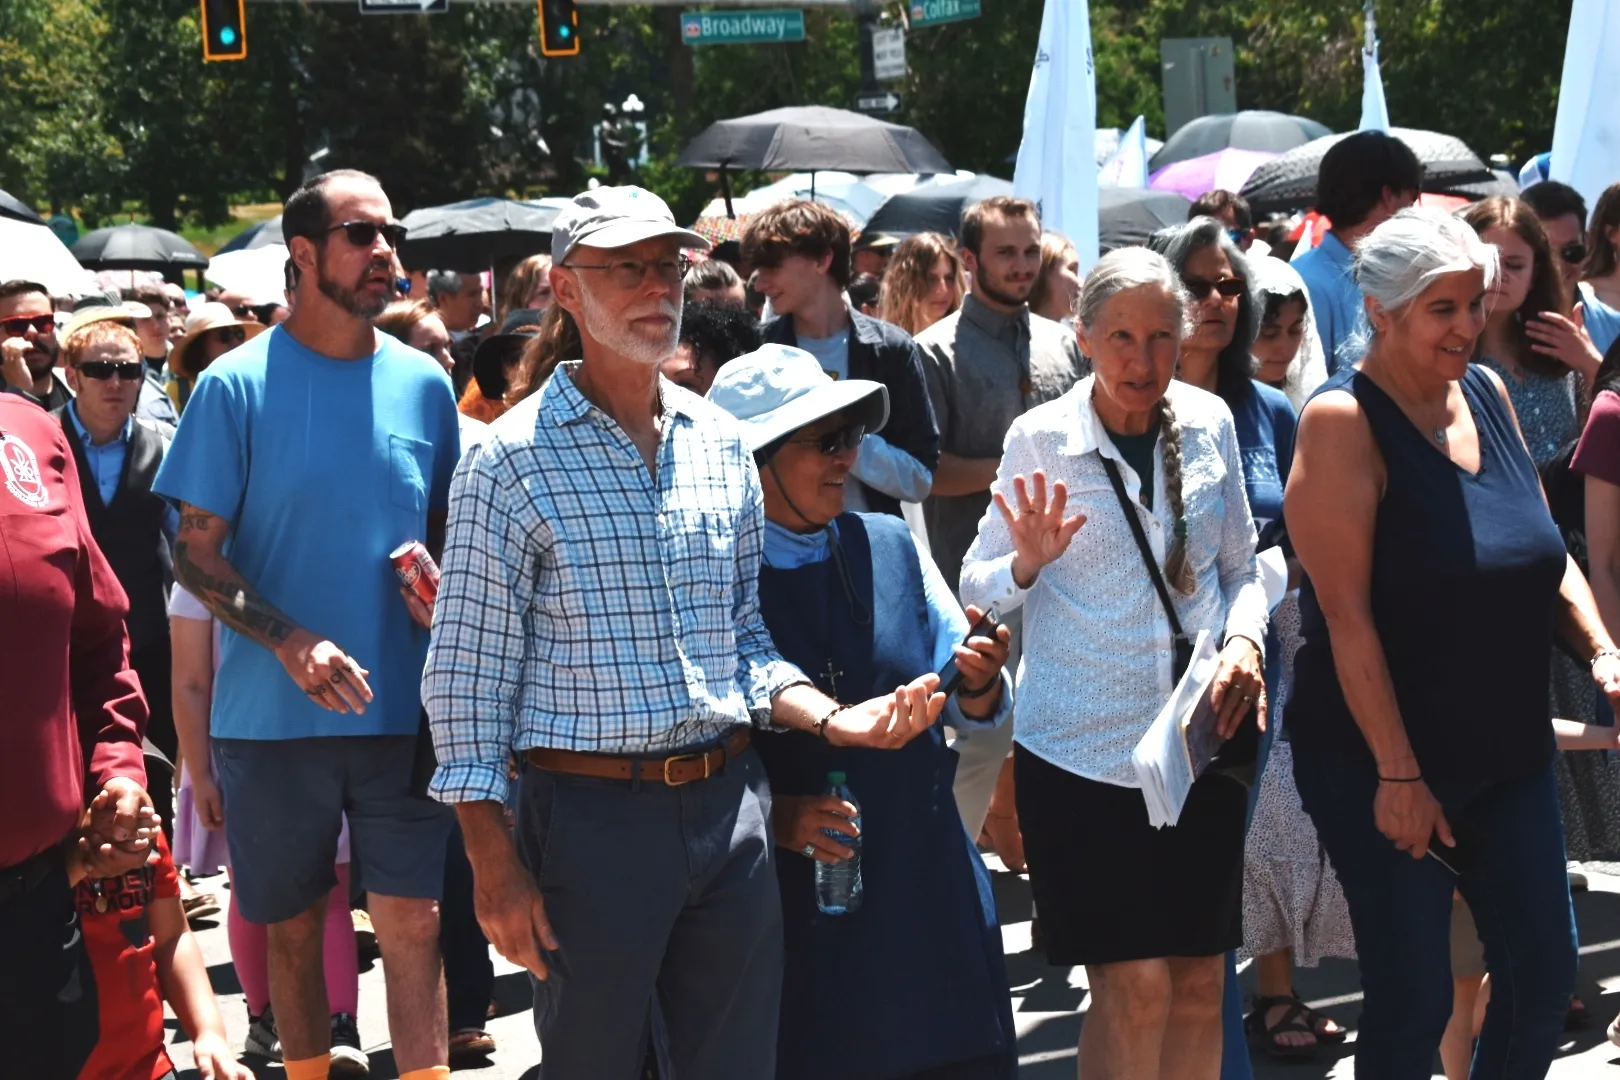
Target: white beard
[618,336]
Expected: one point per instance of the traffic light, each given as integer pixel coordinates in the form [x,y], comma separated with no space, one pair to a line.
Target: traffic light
[559,28]
[224,30]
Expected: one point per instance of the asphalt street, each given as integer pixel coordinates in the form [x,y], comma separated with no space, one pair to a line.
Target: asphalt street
[1049,1004]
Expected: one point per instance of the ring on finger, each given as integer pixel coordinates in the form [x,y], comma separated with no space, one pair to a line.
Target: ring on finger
[337,677]
[808,851]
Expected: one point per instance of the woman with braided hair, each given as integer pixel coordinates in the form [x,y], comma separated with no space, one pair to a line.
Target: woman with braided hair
[1129,453]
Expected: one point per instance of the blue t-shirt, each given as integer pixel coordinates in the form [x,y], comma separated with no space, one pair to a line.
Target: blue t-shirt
[1265,423]
[1328,270]
[322,467]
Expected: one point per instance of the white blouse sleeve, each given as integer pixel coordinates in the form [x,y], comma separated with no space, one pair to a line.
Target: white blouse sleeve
[987,576]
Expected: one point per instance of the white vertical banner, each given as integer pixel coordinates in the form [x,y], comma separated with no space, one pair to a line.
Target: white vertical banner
[1127,166]
[1586,135]
[1374,110]
[1057,160]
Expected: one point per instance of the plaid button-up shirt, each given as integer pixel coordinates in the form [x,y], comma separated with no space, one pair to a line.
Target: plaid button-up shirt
[587,604]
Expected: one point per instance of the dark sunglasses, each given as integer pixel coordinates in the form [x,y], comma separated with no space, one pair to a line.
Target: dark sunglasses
[364,233]
[101,370]
[1573,253]
[242,311]
[1228,288]
[18,325]
[234,335]
[836,441]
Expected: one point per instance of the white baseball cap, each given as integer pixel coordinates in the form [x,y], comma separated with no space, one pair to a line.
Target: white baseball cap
[777,389]
[616,217]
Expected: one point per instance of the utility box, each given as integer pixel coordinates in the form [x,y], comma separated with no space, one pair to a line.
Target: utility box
[1199,79]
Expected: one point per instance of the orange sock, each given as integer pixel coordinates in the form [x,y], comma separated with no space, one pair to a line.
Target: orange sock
[315,1068]
[436,1072]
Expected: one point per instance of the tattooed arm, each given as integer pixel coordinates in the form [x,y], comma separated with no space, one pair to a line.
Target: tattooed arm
[324,671]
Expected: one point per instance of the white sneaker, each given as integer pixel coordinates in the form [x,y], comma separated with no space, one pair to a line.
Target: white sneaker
[1577,876]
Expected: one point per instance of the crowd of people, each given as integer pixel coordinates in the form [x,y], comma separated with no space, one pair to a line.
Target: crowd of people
[715,524]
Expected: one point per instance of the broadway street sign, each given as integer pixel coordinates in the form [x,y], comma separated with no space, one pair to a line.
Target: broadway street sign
[741,27]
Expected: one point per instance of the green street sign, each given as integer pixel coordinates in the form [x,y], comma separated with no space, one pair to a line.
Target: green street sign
[934,12]
[742,27]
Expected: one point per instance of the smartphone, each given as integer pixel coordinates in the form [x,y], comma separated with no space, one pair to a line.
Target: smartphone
[950,677]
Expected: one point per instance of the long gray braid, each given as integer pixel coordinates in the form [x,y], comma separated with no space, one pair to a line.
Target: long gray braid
[1177,569]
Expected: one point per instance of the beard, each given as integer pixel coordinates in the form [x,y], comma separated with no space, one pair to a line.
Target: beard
[41,358]
[616,333]
[1005,293]
[348,297]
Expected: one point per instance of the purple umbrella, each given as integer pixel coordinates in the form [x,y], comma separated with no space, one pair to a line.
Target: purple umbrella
[1224,170]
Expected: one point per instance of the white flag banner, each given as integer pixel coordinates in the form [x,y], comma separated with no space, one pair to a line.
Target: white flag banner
[1374,111]
[1127,166]
[1057,160]
[1586,135]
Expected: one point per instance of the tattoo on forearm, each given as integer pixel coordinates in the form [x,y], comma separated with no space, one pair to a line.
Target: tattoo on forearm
[231,600]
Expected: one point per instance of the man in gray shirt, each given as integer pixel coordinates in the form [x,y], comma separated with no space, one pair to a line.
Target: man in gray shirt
[985,365]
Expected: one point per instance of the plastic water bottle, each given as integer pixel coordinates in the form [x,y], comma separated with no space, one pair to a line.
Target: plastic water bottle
[838,885]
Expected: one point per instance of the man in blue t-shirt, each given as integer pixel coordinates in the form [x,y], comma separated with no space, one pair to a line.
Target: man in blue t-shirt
[1364,180]
[304,458]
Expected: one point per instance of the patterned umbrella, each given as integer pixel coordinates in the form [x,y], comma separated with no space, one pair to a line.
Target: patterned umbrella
[1224,170]
[1288,182]
[1254,129]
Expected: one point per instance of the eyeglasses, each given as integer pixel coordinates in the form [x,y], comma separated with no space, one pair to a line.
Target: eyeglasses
[1573,253]
[1227,287]
[101,370]
[18,325]
[836,441]
[363,234]
[230,335]
[629,274]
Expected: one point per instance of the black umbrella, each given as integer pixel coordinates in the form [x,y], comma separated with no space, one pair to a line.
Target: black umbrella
[1502,182]
[137,247]
[811,138]
[13,207]
[261,235]
[475,234]
[935,206]
[1128,216]
[1288,182]
[1255,129]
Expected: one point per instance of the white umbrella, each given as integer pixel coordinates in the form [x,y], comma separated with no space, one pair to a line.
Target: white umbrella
[35,253]
[257,273]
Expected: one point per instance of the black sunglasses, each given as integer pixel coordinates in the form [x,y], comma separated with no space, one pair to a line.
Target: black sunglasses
[234,335]
[836,441]
[101,370]
[1227,287]
[364,233]
[18,325]
[1573,253]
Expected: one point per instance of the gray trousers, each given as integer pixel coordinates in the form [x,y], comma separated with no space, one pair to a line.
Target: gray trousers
[656,894]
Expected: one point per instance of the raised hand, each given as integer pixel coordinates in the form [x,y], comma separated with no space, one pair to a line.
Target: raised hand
[1040,532]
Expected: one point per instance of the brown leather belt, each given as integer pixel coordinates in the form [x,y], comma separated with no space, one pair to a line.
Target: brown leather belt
[674,771]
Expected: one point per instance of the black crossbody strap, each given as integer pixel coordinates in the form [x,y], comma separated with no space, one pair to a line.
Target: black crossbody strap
[1135,522]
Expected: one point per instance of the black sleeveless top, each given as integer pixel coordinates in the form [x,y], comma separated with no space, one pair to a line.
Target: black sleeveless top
[1465,576]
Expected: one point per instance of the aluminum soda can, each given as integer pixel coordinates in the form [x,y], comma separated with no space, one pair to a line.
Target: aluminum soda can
[417,571]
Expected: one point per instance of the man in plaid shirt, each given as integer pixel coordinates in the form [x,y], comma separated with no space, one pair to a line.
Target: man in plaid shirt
[599,616]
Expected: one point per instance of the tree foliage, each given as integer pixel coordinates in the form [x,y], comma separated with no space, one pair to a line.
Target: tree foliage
[108,105]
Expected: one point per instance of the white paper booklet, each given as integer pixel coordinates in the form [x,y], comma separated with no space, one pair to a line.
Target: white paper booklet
[1182,741]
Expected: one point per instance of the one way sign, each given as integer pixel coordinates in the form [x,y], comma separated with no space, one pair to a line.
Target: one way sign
[404,7]
[878,104]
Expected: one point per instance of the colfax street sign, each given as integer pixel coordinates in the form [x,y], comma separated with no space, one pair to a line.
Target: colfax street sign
[878,104]
[404,7]
[741,27]
[934,12]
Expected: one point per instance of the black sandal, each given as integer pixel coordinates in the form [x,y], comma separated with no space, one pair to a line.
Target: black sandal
[1328,1038]
[1293,1019]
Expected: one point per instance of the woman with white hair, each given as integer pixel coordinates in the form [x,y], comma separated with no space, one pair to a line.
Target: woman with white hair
[1436,580]
[1160,547]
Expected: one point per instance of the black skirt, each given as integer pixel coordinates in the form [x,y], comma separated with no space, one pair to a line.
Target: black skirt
[1109,887]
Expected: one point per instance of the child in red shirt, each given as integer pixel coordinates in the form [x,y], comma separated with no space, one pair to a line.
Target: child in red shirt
[143,953]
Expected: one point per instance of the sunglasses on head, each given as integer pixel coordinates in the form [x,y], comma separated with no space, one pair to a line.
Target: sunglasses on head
[101,370]
[1573,253]
[18,325]
[836,441]
[1227,287]
[364,233]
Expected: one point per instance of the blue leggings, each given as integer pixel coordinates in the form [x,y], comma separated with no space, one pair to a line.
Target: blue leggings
[1510,855]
